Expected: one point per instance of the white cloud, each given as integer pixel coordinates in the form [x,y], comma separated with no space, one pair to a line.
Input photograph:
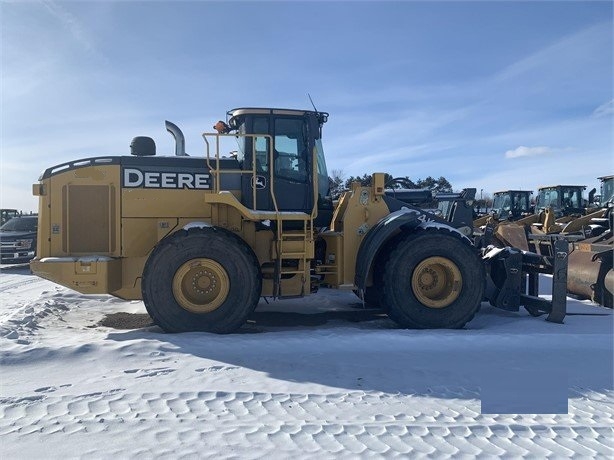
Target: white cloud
[70,23]
[523,151]
[583,45]
[604,110]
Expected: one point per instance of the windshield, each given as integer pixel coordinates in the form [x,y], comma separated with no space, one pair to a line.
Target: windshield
[501,202]
[323,186]
[548,197]
[607,190]
[572,198]
[520,202]
[444,207]
[21,224]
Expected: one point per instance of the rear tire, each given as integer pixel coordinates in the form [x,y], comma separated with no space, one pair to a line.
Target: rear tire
[433,278]
[202,279]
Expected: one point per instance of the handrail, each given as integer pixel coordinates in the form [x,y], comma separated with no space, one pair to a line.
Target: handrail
[279,216]
[217,171]
[314,169]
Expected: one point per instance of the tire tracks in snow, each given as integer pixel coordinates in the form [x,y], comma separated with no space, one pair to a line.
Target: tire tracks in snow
[9,283]
[309,424]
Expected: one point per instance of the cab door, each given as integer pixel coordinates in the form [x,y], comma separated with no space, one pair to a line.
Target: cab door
[288,170]
[292,168]
[257,148]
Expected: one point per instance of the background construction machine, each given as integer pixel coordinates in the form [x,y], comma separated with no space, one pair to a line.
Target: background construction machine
[7,214]
[456,208]
[508,205]
[591,268]
[200,240]
[559,209]
[590,239]
[565,200]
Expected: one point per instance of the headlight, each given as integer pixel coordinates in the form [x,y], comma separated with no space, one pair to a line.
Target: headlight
[23,244]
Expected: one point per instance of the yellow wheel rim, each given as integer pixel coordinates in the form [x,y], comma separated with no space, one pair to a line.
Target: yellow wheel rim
[201,285]
[436,282]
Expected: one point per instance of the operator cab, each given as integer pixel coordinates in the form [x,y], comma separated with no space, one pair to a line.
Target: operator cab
[512,204]
[565,200]
[280,143]
[607,191]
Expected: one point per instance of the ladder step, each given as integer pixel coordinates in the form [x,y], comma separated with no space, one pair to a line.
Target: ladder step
[292,272]
[292,255]
[292,244]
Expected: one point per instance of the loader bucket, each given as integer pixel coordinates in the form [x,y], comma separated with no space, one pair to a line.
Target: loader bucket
[512,234]
[513,280]
[591,275]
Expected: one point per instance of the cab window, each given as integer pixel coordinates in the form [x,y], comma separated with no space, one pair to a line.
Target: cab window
[290,150]
[261,126]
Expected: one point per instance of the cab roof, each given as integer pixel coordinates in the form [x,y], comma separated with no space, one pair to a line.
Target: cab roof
[583,187]
[270,111]
[322,117]
[515,191]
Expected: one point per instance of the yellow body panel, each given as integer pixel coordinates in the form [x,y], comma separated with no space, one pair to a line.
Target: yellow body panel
[96,237]
[133,221]
[357,212]
[163,202]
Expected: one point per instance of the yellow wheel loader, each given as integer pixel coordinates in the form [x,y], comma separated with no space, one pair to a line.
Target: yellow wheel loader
[508,205]
[200,239]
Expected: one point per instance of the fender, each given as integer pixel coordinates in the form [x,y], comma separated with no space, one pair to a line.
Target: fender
[196,224]
[406,220]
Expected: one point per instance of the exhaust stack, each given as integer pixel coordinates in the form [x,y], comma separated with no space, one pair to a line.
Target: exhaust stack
[179,138]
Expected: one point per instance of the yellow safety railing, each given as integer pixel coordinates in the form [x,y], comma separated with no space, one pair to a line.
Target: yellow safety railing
[217,172]
[279,216]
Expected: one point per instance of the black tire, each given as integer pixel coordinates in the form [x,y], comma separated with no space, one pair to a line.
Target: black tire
[372,297]
[433,278]
[202,279]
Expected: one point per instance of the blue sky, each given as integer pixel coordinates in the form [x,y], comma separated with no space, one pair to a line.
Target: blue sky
[491,95]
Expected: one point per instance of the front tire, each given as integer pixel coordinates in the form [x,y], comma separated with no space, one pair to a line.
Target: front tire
[202,279]
[433,279]
[372,297]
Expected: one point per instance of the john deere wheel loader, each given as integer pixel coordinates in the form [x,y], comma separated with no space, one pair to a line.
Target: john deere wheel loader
[202,239]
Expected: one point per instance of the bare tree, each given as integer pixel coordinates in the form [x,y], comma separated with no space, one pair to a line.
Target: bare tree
[336,180]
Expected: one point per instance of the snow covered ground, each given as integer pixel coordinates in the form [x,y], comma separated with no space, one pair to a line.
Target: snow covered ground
[307,378]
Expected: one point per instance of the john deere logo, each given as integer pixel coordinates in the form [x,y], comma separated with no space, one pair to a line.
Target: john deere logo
[259,182]
[157,178]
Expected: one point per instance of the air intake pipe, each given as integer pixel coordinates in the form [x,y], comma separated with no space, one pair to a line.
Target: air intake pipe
[179,138]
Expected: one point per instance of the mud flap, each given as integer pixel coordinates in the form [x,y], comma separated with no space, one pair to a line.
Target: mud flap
[513,280]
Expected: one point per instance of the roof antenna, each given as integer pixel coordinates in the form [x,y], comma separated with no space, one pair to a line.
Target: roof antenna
[321,116]
[311,100]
